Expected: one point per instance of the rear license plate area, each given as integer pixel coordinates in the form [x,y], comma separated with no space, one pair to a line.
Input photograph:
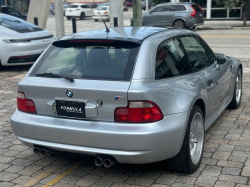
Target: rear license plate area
[70,109]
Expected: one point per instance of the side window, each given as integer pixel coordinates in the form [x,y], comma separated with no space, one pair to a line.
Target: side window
[171,60]
[209,52]
[169,8]
[195,51]
[157,9]
[84,6]
[88,7]
[12,11]
[180,8]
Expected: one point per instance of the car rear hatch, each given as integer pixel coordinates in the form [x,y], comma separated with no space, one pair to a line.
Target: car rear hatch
[72,8]
[101,70]
[199,14]
[103,11]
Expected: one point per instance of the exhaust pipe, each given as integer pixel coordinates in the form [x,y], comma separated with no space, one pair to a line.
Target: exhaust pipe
[109,162]
[36,150]
[45,152]
[99,161]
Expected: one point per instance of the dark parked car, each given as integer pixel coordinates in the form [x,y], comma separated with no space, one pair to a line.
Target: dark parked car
[93,5]
[178,15]
[13,12]
[129,4]
[150,5]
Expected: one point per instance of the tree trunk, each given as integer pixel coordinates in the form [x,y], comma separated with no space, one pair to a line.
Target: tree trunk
[245,16]
[137,13]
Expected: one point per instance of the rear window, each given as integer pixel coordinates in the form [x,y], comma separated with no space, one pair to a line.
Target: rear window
[73,6]
[102,8]
[197,8]
[89,59]
[18,25]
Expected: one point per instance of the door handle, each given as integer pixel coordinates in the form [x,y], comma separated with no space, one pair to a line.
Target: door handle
[210,82]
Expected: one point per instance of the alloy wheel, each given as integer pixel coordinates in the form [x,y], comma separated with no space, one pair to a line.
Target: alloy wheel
[238,89]
[196,138]
[179,24]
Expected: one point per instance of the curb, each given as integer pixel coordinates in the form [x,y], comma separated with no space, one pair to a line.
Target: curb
[229,46]
[221,28]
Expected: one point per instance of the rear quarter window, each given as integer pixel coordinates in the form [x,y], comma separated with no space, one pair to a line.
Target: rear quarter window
[180,8]
[99,61]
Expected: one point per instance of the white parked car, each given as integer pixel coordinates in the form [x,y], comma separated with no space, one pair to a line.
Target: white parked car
[79,10]
[21,43]
[101,12]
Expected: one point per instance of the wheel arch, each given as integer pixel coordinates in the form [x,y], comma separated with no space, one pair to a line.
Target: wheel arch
[200,102]
[179,18]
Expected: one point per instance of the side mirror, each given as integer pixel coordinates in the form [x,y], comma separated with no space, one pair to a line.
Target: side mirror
[221,59]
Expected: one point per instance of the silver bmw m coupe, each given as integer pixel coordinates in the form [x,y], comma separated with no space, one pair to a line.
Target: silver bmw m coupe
[131,95]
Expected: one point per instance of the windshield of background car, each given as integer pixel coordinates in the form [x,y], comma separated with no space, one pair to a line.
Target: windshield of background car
[73,6]
[18,25]
[89,59]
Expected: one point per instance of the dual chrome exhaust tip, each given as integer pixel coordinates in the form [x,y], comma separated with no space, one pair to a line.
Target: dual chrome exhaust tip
[107,162]
[42,151]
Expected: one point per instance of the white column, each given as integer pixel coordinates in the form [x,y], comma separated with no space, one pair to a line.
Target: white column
[209,5]
[116,10]
[59,18]
[146,5]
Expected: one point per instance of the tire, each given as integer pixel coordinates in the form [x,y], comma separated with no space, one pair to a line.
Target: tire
[184,162]
[68,18]
[96,19]
[179,24]
[235,103]
[82,17]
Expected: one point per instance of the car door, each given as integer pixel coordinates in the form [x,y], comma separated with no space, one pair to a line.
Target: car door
[203,64]
[167,15]
[152,18]
[89,9]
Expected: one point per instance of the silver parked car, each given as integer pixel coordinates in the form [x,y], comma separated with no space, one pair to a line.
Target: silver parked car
[178,15]
[137,95]
[21,43]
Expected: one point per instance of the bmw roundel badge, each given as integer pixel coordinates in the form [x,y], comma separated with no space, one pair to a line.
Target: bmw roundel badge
[69,93]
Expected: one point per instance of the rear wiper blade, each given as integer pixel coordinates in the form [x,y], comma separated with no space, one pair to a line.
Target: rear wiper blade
[55,76]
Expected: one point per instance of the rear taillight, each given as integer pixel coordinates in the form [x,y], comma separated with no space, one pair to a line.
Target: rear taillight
[193,13]
[25,105]
[139,112]
[105,12]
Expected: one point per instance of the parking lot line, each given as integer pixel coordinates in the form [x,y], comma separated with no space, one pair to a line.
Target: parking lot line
[72,168]
[41,176]
[225,36]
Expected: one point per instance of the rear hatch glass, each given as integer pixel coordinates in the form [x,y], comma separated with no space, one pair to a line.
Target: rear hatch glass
[197,8]
[73,6]
[89,59]
[18,25]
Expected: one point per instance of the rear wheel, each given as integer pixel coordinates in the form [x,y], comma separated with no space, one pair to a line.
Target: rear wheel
[96,19]
[192,28]
[82,17]
[68,18]
[189,158]
[179,24]
[235,103]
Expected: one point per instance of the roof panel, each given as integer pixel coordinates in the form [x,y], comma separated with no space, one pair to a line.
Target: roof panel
[118,33]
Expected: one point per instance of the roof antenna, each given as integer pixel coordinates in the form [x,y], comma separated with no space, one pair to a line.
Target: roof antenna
[107,29]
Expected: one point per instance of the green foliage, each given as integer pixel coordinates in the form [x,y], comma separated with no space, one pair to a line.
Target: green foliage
[160,1]
[232,3]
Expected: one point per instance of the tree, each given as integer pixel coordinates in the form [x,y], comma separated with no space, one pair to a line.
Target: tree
[235,3]
[160,1]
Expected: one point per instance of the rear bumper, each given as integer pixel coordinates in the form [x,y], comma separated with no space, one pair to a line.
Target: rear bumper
[105,17]
[128,143]
[31,49]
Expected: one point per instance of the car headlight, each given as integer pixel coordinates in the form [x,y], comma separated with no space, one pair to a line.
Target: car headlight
[16,41]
